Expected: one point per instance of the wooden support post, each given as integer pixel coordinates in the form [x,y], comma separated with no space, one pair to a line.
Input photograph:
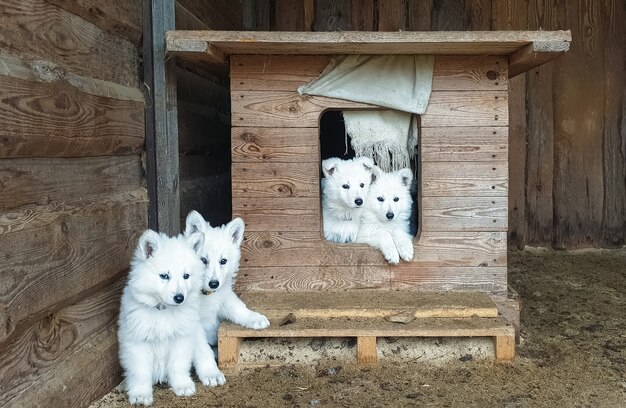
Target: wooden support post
[505,347]
[366,350]
[161,121]
[228,351]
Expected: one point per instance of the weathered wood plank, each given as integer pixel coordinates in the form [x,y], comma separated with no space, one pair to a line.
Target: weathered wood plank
[464,214]
[209,195]
[58,120]
[41,30]
[283,145]
[275,180]
[392,15]
[120,17]
[285,214]
[461,144]
[215,14]
[464,179]
[287,73]
[362,15]
[366,350]
[229,351]
[461,15]
[56,251]
[288,109]
[419,14]
[440,249]
[289,16]
[44,182]
[51,363]
[332,15]
[255,15]
[505,347]
[534,55]
[186,20]
[384,277]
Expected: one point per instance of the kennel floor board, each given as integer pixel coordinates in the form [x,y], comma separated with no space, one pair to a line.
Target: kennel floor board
[371,303]
[361,314]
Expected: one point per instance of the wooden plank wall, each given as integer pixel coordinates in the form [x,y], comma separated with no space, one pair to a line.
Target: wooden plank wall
[72,194]
[204,118]
[568,126]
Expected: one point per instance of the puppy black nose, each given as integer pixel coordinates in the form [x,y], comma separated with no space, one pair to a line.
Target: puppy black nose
[214,284]
[390,216]
[179,298]
[358,201]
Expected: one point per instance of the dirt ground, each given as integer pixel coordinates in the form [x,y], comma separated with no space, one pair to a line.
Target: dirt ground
[573,354]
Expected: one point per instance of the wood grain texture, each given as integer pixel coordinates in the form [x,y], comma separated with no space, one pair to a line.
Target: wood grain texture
[289,16]
[461,14]
[77,245]
[419,14]
[366,350]
[275,180]
[228,355]
[68,358]
[255,15]
[186,20]
[288,109]
[464,178]
[57,120]
[464,213]
[362,15]
[41,182]
[383,277]
[333,15]
[42,30]
[287,249]
[505,347]
[285,214]
[287,73]
[392,15]
[119,17]
[280,145]
[215,14]
[464,144]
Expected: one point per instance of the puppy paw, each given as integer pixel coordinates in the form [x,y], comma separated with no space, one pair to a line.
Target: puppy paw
[212,338]
[213,379]
[257,321]
[140,398]
[391,254]
[184,388]
[405,250]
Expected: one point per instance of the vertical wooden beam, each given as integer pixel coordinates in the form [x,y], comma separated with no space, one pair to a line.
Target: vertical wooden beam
[255,15]
[228,351]
[505,347]
[366,350]
[161,118]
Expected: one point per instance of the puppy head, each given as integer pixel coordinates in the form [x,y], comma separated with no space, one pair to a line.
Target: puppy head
[166,270]
[348,181]
[221,253]
[389,196]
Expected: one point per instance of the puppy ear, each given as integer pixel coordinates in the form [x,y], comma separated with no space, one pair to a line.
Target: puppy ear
[194,223]
[148,244]
[235,229]
[376,173]
[196,240]
[406,176]
[366,162]
[329,166]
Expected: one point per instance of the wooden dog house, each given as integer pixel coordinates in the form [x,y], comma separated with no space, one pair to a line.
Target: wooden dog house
[464,163]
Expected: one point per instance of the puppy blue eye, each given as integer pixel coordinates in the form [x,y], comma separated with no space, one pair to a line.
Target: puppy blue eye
[381,199]
[204,260]
[164,276]
[223,261]
[396,199]
[186,276]
[346,186]
[362,185]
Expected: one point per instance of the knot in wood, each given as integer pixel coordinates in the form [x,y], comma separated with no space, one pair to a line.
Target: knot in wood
[267,244]
[492,75]
[248,137]
[294,108]
[284,190]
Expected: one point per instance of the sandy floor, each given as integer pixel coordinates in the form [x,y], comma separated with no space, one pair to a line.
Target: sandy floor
[573,354]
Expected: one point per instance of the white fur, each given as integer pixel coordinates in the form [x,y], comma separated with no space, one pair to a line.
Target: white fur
[160,339]
[221,303]
[341,212]
[391,236]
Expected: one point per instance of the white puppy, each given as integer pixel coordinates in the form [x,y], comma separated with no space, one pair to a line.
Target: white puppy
[385,219]
[344,191]
[220,254]
[160,334]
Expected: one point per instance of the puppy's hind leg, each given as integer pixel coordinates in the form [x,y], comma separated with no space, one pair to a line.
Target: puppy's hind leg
[179,367]
[236,311]
[137,363]
[204,362]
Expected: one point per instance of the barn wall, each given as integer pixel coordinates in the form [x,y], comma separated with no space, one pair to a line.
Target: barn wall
[72,193]
[568,121]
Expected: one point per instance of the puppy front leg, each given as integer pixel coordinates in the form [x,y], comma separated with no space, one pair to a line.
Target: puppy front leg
[204,362]
[236,311]
[179,368]
[383,241]
[404,244]
[137,363]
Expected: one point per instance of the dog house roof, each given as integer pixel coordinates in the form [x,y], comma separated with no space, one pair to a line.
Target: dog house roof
[526,49]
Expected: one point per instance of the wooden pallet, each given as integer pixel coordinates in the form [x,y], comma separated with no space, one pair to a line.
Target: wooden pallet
[361,314]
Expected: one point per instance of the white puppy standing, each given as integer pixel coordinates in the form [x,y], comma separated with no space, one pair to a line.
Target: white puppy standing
[160,334]
[221,253]
[344,191]
[385,218]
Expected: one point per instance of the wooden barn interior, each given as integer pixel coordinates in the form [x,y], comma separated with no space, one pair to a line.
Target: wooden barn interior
[87,104]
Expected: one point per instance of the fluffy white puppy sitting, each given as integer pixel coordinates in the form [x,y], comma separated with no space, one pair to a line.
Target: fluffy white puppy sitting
[220,255]
[385,218]
[344,191]
[160,334]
